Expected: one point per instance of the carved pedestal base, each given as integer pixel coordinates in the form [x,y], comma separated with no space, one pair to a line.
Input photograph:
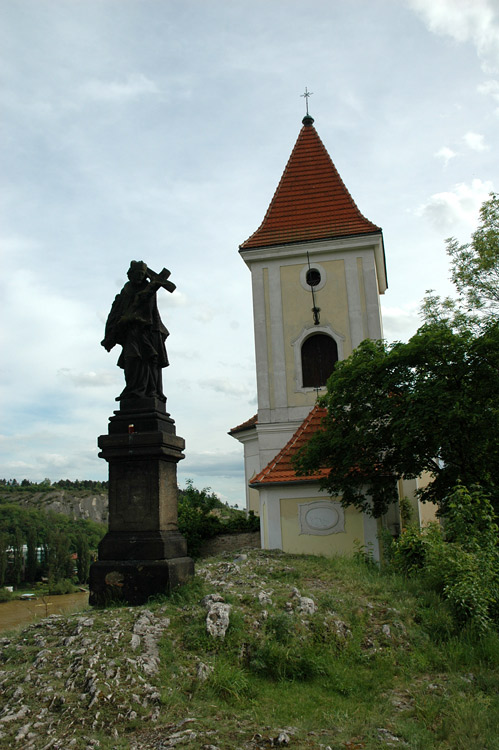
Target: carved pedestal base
[134,581]
[143,553]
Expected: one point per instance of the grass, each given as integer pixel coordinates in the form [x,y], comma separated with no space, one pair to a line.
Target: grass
[379,664]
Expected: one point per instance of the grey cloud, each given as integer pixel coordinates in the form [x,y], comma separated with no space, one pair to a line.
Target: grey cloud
[213,464]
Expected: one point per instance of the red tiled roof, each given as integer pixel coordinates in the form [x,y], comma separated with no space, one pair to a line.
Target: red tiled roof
[311,201]
[245,425]
[280,469]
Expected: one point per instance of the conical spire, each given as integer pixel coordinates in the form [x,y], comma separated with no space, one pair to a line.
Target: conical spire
[311,201]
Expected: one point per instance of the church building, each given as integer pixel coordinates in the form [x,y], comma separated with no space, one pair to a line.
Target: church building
[317,269]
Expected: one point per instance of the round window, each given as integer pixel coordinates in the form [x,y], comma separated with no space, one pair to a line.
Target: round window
[313,277]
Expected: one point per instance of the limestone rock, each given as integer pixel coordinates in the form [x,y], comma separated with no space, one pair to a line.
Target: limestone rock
[210,599]
[217,619]
[306,606]
[282,739]
[265,597]
[203,671]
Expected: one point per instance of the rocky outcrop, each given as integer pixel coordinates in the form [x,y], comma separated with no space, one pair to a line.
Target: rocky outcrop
[76,505]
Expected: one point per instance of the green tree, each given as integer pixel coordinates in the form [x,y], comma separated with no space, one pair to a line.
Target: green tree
[60,565]
[18,567]
[4,543]
[204,499]
[83,559]
[475,265]
[397,411]
[31,555]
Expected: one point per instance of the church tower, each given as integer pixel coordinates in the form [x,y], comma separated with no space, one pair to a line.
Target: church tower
[318,269]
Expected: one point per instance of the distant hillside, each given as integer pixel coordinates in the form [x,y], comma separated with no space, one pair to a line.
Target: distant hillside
[75,503]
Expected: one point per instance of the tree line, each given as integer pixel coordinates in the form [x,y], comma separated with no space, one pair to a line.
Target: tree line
[63,484]
[36,545]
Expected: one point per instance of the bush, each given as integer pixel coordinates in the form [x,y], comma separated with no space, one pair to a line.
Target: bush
[287,661]
[461,565]
[228,681]
[198,519]
[65,586]
[5,595]
[409,553]
[196,524]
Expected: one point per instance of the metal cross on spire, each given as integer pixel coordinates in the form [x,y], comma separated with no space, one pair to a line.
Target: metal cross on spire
[306,96]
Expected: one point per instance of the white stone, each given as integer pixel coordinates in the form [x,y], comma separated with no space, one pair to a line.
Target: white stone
[217,619]
[203,671]
[282,739]
[23,732]
[210,599]
[264,597]
[306,606]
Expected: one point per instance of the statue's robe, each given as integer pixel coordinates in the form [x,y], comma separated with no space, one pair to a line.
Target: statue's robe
[134,323]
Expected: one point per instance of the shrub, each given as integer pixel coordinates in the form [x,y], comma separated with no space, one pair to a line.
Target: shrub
[5,595]
[291,661]
[228,681]
[410,551]
[64,586]
[196,524]
[462,566]
[198,519]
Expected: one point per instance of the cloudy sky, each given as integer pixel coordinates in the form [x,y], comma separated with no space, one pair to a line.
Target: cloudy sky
[158,130]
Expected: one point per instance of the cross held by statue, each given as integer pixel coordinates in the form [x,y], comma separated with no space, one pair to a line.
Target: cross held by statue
[161,279]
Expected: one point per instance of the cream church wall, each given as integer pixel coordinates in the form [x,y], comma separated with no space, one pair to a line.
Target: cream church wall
[339,543]
[423,513]
[349,303]
[298,321]
[281,527]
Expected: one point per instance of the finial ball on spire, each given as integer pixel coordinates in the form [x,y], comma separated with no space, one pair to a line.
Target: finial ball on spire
[307,120]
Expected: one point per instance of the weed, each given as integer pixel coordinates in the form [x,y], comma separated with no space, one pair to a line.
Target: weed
[277,662]
[228,681]
[280,627]
[192,592]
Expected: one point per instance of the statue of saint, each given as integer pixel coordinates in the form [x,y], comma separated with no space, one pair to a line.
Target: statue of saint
[134,322]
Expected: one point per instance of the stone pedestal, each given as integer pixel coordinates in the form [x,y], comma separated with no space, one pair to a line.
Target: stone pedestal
[143,552]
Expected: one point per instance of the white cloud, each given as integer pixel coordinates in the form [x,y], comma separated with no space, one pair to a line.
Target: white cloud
[475,141]
[491,88]
[446,154]
[205,315]
[56,460]
[136,84]
[400,323]
[87,379]
[465,20]
[456,210]
[228,387]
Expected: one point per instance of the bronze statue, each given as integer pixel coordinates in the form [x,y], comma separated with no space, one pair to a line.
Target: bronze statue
[134,322]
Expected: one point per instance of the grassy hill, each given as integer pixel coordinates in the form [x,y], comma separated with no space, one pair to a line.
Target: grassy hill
[318,653]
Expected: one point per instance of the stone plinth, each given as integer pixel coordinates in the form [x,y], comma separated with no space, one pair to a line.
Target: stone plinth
[143,552]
